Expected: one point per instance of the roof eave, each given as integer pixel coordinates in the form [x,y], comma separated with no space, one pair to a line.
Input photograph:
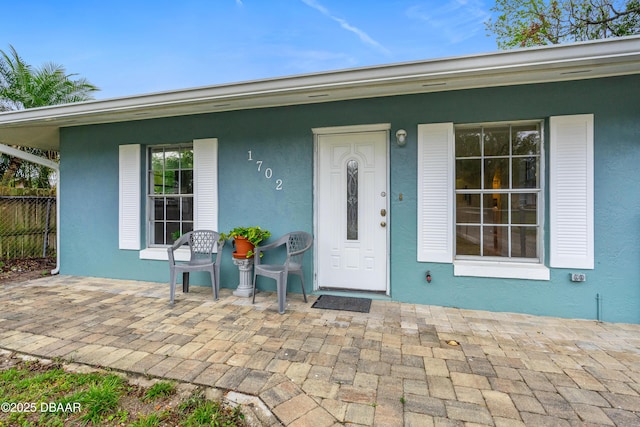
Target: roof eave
[602,58]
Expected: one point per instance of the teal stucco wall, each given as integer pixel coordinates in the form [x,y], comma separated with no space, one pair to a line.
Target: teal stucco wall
[283,140]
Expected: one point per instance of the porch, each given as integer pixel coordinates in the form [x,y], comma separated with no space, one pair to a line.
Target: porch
[397,364]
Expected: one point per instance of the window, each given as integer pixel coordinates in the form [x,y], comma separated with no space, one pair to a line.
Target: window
[170,193]
[480,197]
[352,200]
[497,191]
[180,189]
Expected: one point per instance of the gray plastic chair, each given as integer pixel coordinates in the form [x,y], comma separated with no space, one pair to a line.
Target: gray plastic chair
[297,243]
[201,245]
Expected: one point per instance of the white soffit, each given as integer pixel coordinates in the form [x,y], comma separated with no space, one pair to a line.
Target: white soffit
[39,127]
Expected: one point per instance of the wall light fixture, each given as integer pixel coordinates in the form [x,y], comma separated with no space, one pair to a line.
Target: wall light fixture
[401,137]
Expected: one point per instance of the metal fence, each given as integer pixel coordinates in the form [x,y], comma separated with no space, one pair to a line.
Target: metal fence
[27,227]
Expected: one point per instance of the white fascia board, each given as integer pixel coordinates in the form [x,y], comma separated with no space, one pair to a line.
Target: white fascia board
[554,63]
[558,56]
[29,157]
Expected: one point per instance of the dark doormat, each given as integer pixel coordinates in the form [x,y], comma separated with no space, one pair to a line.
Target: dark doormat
[332,302]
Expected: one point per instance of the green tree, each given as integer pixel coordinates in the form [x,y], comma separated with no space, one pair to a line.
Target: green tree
[525,23]
[23,86]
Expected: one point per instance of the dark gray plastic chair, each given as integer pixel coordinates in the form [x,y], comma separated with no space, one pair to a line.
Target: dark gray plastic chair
[202,244]
[297,243]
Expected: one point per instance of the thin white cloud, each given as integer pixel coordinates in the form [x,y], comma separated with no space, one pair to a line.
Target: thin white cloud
[239,3]
[363,36]
[308,61]
[456,20]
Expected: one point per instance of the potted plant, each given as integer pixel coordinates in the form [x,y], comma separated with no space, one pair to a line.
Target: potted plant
[245,239]
[176,235]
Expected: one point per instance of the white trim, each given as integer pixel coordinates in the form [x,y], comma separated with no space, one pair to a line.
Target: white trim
[38,127]
[58,220]
[160,254]
[522,65]
[11,151]
[315,211]
[435,192]
[351,129]
[129,193]
[318,132]
[205,185]
[571,199]
[205,193]
[501,270]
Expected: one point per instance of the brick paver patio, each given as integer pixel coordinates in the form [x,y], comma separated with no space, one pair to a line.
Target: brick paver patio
[400,364]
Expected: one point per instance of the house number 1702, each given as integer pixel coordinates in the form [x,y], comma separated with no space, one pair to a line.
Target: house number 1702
[267,171]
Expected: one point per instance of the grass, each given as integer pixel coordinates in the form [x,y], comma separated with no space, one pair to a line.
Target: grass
[33,394]
[160,389]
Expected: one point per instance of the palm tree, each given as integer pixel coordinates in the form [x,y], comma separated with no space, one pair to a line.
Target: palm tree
[23,86]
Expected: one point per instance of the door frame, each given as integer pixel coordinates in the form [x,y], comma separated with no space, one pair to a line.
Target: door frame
[378,127]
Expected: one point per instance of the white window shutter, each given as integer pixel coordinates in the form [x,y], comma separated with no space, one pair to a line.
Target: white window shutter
[129,197]
[435,192]
[571,191]
[205,158]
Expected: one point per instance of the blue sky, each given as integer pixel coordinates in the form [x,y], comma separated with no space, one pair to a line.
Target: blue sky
[133,47]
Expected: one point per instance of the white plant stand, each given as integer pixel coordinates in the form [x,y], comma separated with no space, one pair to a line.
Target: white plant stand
[245,286]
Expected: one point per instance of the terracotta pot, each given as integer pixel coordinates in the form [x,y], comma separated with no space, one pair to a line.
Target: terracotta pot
[242,247]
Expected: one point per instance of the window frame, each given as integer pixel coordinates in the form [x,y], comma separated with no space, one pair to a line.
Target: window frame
[151,197]
[509,191]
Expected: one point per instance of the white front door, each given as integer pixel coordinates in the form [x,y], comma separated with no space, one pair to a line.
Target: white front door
[351,210]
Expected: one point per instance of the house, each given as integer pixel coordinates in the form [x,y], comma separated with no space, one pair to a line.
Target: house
[503,181]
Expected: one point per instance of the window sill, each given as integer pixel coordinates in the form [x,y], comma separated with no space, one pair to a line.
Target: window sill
[160,254]
[501,270]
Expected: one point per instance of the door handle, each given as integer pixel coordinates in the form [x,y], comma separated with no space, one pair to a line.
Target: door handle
[383,212]
[383,224]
